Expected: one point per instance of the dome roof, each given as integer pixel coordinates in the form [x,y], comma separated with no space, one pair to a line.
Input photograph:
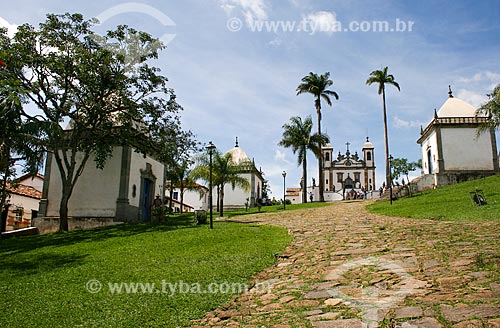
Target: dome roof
[368,144]
[454,107]
[238,155]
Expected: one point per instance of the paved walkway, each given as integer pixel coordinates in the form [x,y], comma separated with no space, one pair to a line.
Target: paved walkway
[349,268]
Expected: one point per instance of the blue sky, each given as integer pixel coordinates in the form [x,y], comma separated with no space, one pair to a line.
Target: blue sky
[242,83]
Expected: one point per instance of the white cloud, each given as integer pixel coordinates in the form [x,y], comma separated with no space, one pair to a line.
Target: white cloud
[487,76]
[251,9]
[11,28]
[275,42]
[400,123]
[471,97]
[280,156]
[322,21]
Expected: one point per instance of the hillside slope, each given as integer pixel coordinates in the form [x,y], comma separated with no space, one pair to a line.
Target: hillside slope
[447,203]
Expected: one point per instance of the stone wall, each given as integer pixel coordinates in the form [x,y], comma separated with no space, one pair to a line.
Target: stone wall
[431,181]
[51,224]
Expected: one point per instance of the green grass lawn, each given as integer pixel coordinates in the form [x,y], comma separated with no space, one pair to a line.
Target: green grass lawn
[272,208]
[43,278]
[447,203]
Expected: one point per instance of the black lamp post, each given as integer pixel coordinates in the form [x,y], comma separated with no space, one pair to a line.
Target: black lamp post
[210,147]
[284,190]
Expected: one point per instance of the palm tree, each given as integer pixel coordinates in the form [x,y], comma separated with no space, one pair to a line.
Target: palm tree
[317,86]
[224,171]
[297,135]
[382,78]
[184,182]
[492,110]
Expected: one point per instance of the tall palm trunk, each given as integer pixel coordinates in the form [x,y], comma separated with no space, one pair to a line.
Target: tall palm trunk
[388,181]
[320,161]
[221,206]
[304,177]
[218,199]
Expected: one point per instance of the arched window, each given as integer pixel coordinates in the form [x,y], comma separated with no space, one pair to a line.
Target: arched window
[369,156]
[327,156]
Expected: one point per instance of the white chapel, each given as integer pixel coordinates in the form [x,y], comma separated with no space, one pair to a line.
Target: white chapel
[452,150]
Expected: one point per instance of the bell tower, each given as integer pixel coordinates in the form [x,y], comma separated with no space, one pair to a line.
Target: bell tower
[368,154]
[369,170]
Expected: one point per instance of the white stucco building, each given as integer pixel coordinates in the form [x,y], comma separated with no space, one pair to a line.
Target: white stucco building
[237,197]
[23,201]
[193,199]
[452,150]
[123,190]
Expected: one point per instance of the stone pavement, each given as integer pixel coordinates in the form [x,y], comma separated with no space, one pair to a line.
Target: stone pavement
[350,268]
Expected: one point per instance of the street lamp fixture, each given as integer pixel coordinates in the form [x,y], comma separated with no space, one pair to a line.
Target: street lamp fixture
[210,147]
[284,190]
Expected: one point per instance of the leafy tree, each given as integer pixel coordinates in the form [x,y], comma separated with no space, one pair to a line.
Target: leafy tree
[224,171]
[381,77]
[492,110]
[401,166]
[266,189]
[317,85]
[175,148]
[297,135]
[102,85]
[19,139]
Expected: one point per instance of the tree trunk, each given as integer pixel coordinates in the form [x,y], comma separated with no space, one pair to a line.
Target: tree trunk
[170,208]
[3,191]
[63,208]
[320,161]
[218,197]
[68,181]
[304,178]
[181,190]
[221,201]
[3,203]
[182,201]
[388,181]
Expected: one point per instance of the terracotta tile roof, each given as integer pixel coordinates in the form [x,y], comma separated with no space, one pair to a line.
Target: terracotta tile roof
[24,190]
[197,185]
[178,202]
[28,175]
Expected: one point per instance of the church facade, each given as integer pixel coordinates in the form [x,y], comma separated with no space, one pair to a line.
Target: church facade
[349,171]
[452,150]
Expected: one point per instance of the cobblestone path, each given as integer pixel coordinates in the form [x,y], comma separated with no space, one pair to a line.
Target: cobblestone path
[350,268]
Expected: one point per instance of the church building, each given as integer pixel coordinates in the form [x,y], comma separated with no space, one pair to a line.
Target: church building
[347,173]
[452,150]
[237,197]
[123,191]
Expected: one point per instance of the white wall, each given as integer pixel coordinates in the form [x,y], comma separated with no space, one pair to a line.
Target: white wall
[95,192]
[464,150]
[238,196]
[193,198]
[431,142]
[138,163]
[27,203]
